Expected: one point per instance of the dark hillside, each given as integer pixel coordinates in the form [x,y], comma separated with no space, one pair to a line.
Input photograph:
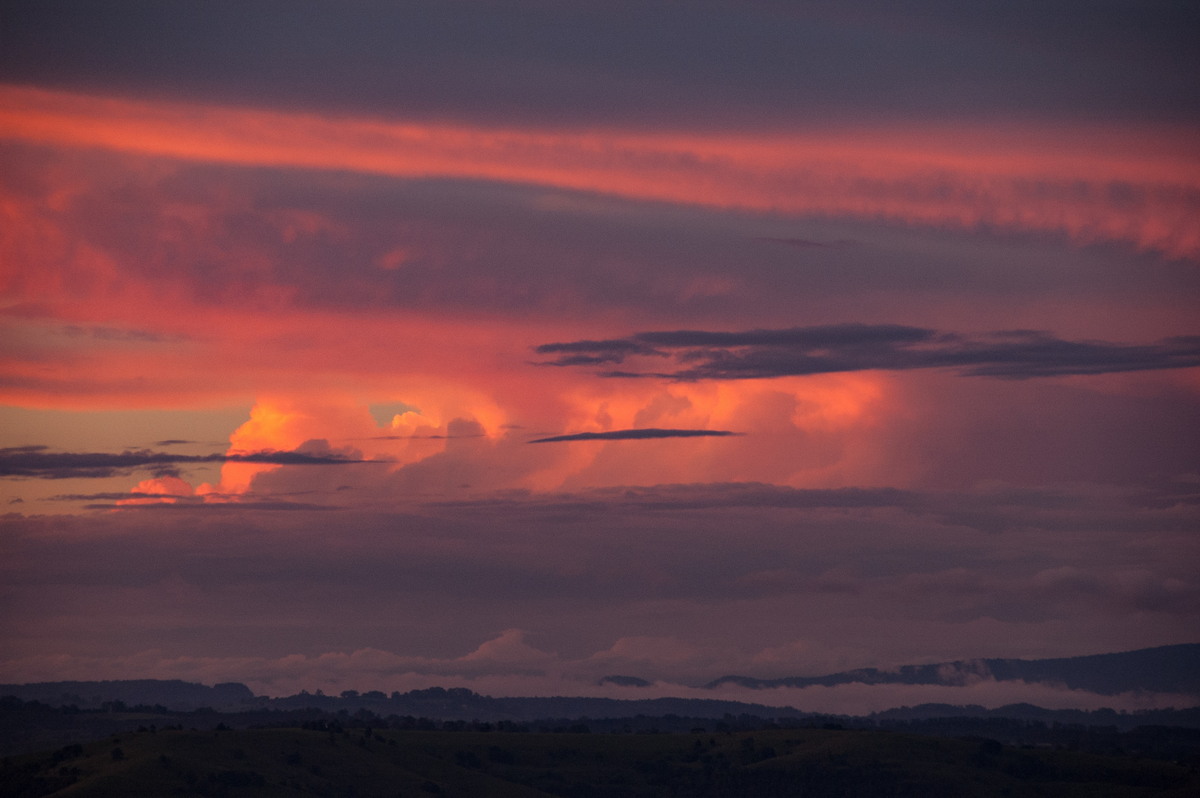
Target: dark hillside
[337,761]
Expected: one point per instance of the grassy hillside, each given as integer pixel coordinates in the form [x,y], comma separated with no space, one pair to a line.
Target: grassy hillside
[784,762]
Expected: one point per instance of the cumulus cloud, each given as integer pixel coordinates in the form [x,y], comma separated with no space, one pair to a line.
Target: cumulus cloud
[798,351]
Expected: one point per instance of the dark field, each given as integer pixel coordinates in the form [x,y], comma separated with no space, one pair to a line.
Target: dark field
[379,762]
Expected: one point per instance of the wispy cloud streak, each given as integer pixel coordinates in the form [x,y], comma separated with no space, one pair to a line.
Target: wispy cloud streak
[37,461]
[637,434]
[1025,179]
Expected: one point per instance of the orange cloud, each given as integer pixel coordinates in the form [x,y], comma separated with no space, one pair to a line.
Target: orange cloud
[1132,185]
[805,431]
[164,490]
[344,424]
[814,431]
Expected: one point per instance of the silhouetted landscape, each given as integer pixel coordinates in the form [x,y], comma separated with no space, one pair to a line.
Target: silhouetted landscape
[364,755]
[171,737]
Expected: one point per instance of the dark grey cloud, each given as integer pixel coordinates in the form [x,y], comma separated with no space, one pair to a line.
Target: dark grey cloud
[226,502]
[711,62]
[758,354]
[422,437]
[113,496]
[637,434]
[821,337]
[594,353]
[40,462]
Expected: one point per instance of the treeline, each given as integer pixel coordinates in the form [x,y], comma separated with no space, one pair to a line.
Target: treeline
[172,693]
[458,703]
[27,726]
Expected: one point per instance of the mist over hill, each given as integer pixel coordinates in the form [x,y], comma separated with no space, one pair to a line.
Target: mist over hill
[41,716]
[1171,670]
[1165,669]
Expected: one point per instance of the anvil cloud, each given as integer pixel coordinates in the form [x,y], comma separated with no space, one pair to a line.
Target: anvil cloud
[850,335]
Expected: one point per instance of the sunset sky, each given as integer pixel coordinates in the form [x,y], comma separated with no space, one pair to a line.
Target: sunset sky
[510,345]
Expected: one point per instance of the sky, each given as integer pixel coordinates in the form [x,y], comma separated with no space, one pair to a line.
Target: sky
[512,345]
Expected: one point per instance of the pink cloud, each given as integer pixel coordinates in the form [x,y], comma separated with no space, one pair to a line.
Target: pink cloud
[1022,178]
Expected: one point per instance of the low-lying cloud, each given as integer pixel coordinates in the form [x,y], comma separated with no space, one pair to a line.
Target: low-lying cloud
[509,666]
